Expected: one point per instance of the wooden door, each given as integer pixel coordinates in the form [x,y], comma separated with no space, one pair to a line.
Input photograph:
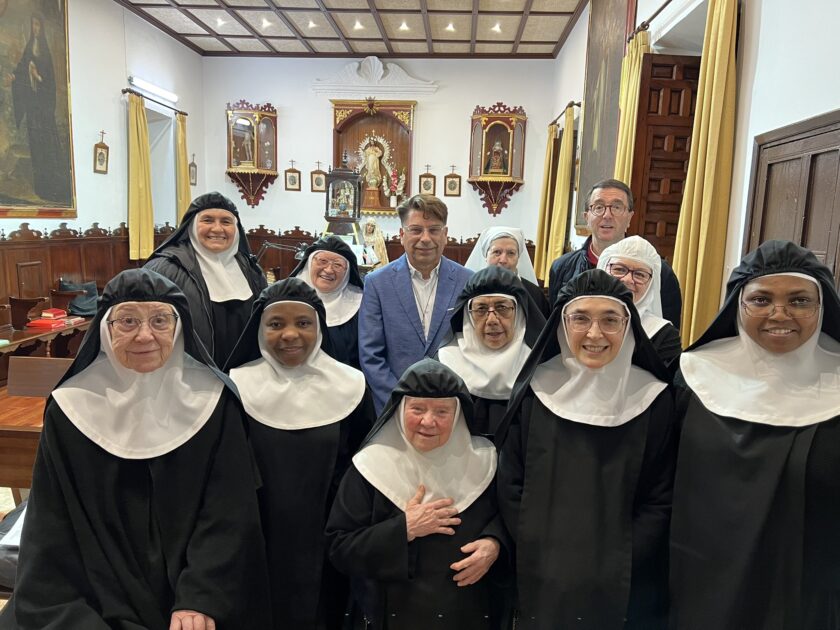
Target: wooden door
[667,96]
[795,188]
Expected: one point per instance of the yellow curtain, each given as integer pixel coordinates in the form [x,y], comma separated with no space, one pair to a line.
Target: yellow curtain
[141,223]
[628,103]
[701,235]
[560,213]
[541,265]
[182,167]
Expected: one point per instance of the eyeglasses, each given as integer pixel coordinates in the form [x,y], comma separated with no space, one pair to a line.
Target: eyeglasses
[502,311]
[607,324]
[416,230]
[335,265]
[161,323]
[620,271]
[617,209]
[797,308]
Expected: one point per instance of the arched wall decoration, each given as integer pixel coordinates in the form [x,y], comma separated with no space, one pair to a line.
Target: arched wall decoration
[370,76]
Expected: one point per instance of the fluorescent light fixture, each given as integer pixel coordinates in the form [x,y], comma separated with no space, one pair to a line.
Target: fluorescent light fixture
[265,23]
[450,27]
[497,28]
[404,26]
[358,26]
[312,24]
[153,89]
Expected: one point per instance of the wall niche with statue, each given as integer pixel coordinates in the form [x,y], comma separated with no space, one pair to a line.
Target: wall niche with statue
[377,137]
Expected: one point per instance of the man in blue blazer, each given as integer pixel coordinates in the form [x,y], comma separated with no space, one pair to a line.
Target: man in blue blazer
[406,306]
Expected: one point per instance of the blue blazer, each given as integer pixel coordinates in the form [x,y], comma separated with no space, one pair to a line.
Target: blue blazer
[390,332]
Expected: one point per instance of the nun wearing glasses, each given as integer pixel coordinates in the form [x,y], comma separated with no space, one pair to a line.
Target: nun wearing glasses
[143,511]
[330,267]
[494,327]
[755,541]
[637,264]
[586,467]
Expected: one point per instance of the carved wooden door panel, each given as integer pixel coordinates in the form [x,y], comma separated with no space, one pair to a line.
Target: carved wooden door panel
[667,96]
[796,192]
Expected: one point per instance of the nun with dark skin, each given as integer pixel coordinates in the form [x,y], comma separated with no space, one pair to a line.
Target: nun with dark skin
[307,415]
[330,267]
[208,257]
[494,326]
[415,522]
[586,467]
[755,541]
[143,511]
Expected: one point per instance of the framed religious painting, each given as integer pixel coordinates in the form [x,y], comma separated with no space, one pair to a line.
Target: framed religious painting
[292,178]
[318,181]
[426,184]
[452,185]
[100,158]
[36,141]
[193,168]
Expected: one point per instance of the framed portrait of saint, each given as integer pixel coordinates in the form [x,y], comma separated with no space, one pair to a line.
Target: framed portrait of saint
[452,185]
[292,178]
[36,144]
[426,184]
[318,181]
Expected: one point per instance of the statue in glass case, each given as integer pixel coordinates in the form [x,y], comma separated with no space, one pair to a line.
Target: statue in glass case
[252,148]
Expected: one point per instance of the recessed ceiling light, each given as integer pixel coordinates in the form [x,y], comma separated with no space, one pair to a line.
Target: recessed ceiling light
[450,27]
[312,24]
[497,28]
[358,26]
[265,23]
[220,22]
[404,26]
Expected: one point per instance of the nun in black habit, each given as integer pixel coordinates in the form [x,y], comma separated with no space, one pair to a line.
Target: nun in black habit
[494,327]
[415,522]
[755,542]
[143,511]
[330,267]
[307,415]
[208,257]
[586,467]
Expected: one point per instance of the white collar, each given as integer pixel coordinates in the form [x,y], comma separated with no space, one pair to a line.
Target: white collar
[341,303]
[609,396]
[737,378]
[139,416]
[487,373]
[319,392]
[461,469]
[418,275]
[221,271]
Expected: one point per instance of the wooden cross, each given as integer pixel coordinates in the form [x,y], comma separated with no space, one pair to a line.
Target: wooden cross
[292,162]
[319,165]
[428,166]
[193,157]
[102,136]
[452,166]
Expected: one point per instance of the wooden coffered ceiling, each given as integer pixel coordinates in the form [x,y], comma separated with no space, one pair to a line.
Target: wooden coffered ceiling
[358,28]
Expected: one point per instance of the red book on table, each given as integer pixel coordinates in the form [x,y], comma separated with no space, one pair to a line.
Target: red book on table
[53,313]
[47,324]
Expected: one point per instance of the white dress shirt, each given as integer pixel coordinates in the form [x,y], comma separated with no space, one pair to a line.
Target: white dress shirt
[424,294]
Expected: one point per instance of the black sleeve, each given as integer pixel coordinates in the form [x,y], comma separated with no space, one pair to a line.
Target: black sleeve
[511,470]
[226,575]
[354,428]
[668,346]
[52,591]
[496,529]
[671,296]
[359,545]
[554,282]
[652,507]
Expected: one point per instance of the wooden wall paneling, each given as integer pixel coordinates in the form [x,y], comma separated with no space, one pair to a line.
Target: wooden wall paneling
[99,262]
[67,261]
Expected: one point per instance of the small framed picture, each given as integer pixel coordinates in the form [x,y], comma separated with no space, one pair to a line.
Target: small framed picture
[193,172]
[318,181]
[452,185]
[100,158]
[292,179]
[427,184]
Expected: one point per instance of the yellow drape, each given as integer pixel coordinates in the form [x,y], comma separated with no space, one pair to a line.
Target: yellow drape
[701,235]
[558,235]
[541,264]
[628,103]
[182,167]
[141,223]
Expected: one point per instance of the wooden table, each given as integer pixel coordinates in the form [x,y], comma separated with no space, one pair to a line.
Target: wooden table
[20,429]
[63,342]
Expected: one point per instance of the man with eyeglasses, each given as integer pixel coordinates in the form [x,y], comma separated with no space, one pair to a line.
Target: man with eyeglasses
[407,304]
[609,209]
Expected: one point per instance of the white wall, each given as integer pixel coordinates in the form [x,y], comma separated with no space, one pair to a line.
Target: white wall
[569,82]
[107,44]
[441,132]
[786,74]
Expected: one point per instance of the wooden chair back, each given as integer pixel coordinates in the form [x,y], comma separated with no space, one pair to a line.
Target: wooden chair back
[35,376]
